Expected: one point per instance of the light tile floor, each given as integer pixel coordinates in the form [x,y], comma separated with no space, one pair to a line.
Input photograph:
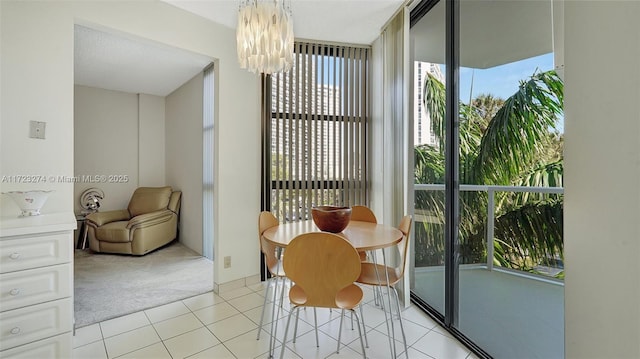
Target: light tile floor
[225,326]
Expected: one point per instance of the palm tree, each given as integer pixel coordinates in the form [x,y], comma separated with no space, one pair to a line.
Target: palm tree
[512,142]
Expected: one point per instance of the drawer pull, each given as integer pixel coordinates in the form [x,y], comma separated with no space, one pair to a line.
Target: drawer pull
[15,330]
[14,291]
[14,255]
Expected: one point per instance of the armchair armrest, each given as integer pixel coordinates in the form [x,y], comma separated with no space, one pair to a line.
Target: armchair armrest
[100,218]
[150,218]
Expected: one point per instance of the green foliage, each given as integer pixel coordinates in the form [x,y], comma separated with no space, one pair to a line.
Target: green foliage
[511,142]
[531,231]
[516,135]
[434,95]
[429,164]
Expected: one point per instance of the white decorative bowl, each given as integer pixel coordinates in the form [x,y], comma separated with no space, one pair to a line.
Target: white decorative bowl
[29,202]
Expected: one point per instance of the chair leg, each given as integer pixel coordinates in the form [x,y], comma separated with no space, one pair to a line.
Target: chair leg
[364,353]
[376,302]
[264,304]
[351,321]
[295,328]
[340,331]
[363,327]
[315,322]
[274,317]
[379,296]
[286,330]
[284,286]
[404,337]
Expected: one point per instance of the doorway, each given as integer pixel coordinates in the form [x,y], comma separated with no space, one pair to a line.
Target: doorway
[139,119]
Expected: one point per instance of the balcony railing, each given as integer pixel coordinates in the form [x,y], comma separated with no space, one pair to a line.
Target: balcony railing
[427,214]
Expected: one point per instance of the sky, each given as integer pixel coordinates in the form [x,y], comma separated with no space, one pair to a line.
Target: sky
[501,81]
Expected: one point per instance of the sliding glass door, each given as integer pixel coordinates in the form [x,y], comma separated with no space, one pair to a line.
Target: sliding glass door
[489,248]
[427,38]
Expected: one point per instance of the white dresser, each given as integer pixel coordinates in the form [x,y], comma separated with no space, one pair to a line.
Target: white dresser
[36,286]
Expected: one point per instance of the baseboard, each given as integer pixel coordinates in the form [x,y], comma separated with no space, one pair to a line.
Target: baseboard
[236,284]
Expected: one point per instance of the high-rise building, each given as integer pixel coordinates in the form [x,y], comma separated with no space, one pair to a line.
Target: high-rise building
[422,133]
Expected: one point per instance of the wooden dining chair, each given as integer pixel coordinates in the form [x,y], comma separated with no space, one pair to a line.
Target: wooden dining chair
[323,267]
[363,214]
[376,274]
[274,265]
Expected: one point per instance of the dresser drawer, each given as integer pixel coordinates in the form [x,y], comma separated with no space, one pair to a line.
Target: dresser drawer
[56,347]
[33,286]
[26,252]
[40,321]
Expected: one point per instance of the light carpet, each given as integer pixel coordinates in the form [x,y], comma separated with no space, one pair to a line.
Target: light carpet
[109,286]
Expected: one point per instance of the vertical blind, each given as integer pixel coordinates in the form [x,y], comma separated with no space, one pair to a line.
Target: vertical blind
[315,126]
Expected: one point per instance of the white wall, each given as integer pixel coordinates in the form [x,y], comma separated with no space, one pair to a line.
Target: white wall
[151,139]
[184,157]
[117,134]
[602,172]
[37,84]
[106,144]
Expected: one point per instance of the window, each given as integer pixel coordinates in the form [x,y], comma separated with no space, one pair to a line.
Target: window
[316,131]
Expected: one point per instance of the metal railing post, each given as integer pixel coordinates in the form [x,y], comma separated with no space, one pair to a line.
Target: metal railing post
[490,224]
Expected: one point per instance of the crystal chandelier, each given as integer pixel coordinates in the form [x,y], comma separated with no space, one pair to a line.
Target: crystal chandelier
[265,36]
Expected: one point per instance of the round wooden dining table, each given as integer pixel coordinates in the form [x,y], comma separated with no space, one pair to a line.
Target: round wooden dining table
[364,236]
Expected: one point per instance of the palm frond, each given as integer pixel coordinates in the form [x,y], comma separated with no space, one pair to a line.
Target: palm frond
[543,175]
[428,164]
[472,126]
[533,231]
[429,226]
[500,250]
[434,100]
[515,135]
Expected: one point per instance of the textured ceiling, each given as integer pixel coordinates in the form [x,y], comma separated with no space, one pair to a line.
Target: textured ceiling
[115,62]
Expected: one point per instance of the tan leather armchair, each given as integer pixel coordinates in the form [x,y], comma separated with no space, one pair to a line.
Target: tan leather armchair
[150,221]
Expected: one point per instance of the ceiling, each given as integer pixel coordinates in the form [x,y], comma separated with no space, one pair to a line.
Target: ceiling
[347,21]
[123,63]
[492,32]
[115,62]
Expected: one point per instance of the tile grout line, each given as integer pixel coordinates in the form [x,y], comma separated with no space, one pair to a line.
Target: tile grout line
[158,334]
[207,327]
[245,316]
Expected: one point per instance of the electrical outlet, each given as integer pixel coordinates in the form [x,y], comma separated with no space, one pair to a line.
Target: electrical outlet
[227,262]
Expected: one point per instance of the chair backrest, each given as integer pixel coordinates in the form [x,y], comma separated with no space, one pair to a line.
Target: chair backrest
[363,214]
[403,246]
[267,220]
[321,264]
[149,199]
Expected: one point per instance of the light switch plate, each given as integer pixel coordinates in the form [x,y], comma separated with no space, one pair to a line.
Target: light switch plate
[36,129]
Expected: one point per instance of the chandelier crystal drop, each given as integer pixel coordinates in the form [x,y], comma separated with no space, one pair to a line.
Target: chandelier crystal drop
[265,36]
